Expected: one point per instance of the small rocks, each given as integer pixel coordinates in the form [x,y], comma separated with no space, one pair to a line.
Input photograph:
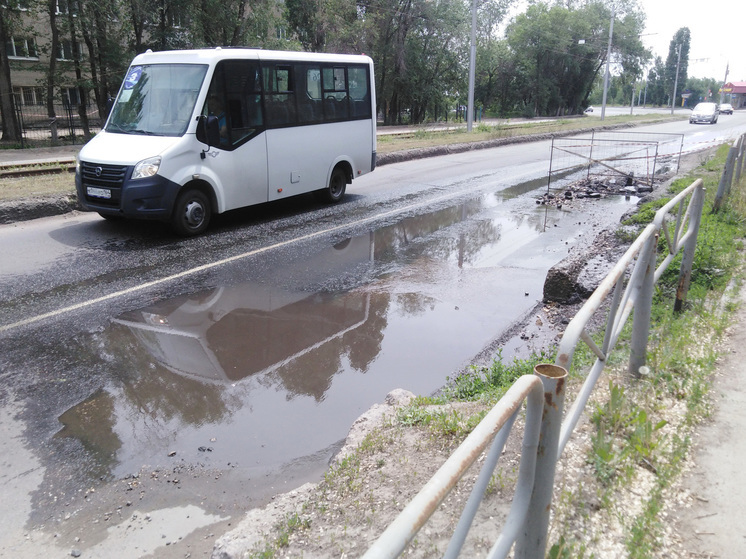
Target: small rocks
[595,189]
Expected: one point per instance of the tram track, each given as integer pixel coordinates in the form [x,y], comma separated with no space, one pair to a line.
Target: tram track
[17,170]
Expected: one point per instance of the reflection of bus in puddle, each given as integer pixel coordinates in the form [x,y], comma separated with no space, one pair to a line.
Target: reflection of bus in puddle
[230,333]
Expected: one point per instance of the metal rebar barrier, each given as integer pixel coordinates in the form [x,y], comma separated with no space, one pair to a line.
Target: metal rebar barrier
[630,284]
[613,154]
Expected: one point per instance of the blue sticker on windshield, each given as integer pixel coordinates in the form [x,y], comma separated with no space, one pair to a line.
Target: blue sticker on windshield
[133,77]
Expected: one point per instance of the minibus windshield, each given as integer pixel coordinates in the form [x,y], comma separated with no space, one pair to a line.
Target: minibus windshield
[157,99]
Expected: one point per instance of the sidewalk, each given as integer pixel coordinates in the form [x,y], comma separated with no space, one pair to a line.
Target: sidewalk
[711,520]
[38,155]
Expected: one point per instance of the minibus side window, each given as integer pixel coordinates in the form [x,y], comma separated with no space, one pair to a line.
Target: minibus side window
[310,105]
[334,90]
[235,98]
[359,88]
[279,95]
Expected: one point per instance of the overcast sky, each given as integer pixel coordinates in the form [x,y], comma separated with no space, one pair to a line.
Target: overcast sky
[717,33]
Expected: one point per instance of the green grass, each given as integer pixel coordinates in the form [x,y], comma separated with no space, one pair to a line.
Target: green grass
[629,434]
[427,136]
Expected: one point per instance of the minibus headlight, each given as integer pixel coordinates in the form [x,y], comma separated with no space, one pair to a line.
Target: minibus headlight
[147,167]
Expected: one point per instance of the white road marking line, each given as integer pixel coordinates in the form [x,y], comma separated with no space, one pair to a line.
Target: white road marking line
[202,268]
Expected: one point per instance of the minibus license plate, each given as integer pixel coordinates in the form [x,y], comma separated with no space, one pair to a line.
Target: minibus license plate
[98,192]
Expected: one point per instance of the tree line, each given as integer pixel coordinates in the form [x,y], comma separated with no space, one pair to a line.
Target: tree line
[545,61]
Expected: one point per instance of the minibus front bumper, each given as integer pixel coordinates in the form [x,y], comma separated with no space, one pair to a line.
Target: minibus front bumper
[108,190]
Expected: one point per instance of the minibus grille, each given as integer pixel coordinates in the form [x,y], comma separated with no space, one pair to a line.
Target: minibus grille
[110,177]
[106,176]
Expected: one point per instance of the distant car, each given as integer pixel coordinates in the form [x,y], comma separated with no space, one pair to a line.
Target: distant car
[704,112]
[726,109]
[589,110]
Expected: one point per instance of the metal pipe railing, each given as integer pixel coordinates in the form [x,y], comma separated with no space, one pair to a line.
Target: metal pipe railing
[493,428]
[546,434]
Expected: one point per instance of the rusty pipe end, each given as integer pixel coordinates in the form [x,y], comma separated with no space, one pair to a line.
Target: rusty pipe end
[551,371]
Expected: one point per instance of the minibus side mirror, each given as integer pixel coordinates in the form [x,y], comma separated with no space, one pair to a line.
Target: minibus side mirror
[208,130]
[109,105]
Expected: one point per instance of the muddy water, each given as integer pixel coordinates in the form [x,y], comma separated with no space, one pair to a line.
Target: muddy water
[264,377]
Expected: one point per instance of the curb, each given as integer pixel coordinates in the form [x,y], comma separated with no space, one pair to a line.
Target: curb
[34,208]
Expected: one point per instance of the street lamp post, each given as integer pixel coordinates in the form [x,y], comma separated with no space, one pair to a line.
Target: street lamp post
[608,62]
[472,66]
[676,81]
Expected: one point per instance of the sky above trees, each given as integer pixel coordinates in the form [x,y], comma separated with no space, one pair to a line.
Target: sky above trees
[717,37]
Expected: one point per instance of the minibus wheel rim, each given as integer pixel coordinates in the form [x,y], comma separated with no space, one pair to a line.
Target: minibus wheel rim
[337,185]
[194,214]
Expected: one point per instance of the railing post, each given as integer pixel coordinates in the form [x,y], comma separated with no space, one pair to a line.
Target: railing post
[590,154]
[687,260]
[643,307]
[532,543]
[739,164]
[725,180]
[19,117]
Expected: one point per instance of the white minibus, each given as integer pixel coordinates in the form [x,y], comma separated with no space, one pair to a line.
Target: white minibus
[199,132]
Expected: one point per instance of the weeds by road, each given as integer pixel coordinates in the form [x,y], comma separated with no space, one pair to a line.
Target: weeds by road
[432,136]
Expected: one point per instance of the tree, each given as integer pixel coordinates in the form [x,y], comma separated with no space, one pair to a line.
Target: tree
[500,79]
[681,39]
[102,38]
[9,18]
[656,88]
[702,89]
[230,22]
[561,51]
[74,8]
[52,70]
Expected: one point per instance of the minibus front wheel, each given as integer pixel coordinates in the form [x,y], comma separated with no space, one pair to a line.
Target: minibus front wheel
[192,213]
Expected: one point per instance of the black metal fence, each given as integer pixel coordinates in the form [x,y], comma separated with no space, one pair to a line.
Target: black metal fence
[66,128]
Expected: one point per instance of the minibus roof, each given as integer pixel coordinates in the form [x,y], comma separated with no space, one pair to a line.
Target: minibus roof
[208,56]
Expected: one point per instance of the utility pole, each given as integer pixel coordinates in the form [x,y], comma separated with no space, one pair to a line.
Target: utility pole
[676,81]
[725,81]
[472,66]
[608,61]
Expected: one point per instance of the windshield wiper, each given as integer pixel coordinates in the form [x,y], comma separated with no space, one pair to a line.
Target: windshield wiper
[144,132]
[114,127]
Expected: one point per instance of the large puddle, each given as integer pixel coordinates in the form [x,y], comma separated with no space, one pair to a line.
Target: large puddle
[267,375]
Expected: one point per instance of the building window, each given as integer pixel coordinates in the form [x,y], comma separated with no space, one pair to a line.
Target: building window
[66,51]
[64,7]
[22,47]
[25,95]
[70,96]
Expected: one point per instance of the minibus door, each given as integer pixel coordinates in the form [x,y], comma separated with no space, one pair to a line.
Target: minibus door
[234,126]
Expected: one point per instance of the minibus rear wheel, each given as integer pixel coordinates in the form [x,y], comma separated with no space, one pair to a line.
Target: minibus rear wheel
[192,213]
[336,189]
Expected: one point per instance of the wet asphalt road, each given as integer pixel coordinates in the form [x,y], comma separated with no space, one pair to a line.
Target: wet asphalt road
[232,365]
